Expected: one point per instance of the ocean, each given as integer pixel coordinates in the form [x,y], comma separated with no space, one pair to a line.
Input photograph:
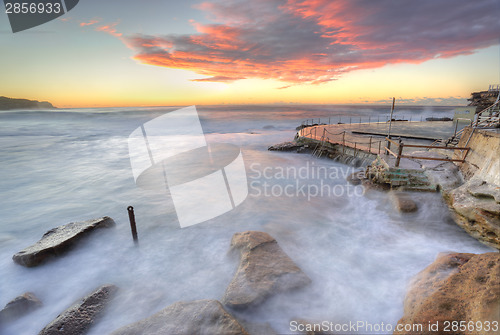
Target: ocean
[71,165]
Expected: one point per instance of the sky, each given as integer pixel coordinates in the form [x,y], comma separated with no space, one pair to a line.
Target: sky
[172,53]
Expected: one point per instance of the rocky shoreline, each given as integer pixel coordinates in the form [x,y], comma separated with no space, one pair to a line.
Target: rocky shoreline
[264,270]
[455,287]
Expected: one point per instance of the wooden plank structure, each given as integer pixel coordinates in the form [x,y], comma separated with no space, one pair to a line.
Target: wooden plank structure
[401,145]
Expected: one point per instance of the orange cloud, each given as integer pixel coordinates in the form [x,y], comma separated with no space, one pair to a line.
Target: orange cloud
[110,29]
[91,22]
[316,41]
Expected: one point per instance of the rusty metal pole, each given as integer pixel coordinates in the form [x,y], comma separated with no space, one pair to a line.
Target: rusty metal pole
[133,228]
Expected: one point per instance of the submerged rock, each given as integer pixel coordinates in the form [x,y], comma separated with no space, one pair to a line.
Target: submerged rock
[77,319]
[477,210]
[357,178]
[58,241]
[19,307]
[403,202]
[187,318]
[264,269]
[287,146]
[456,287]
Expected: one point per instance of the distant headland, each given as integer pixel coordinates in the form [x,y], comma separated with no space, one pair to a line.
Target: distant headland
[10,103]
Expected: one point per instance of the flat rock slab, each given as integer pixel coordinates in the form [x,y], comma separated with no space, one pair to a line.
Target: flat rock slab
[456,287]
[264,270]
[19,307]
[58,241]
[78,319]
[286,146]
[187,318]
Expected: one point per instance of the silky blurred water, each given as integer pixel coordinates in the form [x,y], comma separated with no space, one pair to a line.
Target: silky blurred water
[72,165]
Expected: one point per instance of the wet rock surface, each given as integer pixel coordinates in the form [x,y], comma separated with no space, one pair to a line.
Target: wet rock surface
[77,319]
[58,241]
[456,287]
[19,307]
[288,146]
[187,318]
[477,210]
[404,202]
[264,270]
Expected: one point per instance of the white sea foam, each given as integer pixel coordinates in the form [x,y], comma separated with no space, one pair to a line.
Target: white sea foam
[74,165]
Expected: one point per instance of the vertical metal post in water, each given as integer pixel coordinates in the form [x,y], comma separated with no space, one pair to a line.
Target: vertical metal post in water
[133,228]
[456,126]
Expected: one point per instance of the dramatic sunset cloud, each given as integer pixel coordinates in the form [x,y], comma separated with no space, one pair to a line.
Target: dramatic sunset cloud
[315,41]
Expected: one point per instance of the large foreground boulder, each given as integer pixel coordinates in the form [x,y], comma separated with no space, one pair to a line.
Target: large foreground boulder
[476,206]
[187,318]
[77,319]
[58,241]
[456,287]
[264,269]
[19,307]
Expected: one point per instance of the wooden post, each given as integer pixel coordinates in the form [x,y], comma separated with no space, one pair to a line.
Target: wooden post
[370,147]
[390,126]
[355,149]
[343,142]
[350,120]
[400,151]
[456,126]
[369,119]
[379,143]
[328,120]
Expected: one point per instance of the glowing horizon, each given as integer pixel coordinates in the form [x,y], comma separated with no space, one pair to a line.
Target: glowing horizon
[264,52]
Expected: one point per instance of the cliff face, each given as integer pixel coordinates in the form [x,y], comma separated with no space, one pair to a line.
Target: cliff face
[9,103]
[483,99]
[476,203]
